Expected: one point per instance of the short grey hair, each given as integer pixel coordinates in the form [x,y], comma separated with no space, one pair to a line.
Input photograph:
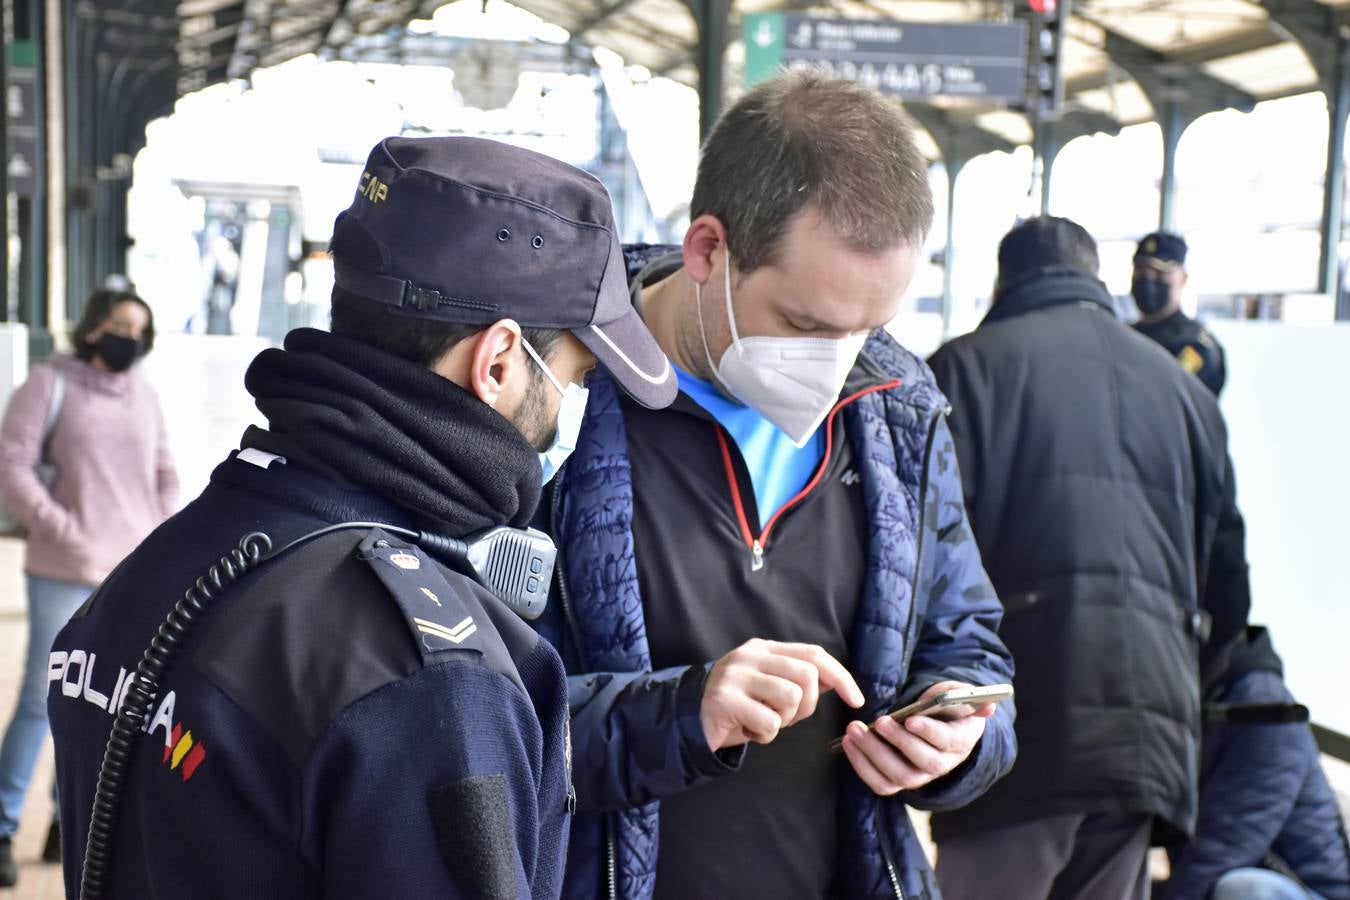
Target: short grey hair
[803,140]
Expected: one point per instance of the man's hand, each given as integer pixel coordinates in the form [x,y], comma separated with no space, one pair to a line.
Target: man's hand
[900,756]
[762,687]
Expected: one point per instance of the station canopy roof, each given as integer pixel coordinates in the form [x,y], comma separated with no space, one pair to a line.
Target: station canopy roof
[1124,59]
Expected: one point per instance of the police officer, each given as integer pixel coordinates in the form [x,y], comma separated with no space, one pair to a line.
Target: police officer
[1159,276]
[351,717]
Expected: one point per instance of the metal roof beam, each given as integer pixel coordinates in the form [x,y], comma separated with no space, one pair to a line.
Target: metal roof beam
[674,61]
[127,41]
[959,140]
[214,37]
[1076,123]
[1179,92]
[306,23]
[141,20]
[1196,55]
[644,31]
[1055,135]
[1316,27]
[1249,41]
[599,17]
[1324,35]
[191,8]
[1166,81]
[338,15]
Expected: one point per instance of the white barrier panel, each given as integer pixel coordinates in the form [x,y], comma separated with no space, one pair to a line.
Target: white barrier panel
[200,381]
[917,332]
[13,358]
[1287,403]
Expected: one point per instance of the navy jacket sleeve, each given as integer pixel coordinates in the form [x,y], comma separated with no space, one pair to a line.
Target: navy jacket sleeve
[1226,588]
[1247,792]
[637,737]
[439,785]
[958,640]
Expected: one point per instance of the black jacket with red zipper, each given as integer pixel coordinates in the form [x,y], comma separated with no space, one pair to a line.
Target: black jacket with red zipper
[798,578]
[924,613]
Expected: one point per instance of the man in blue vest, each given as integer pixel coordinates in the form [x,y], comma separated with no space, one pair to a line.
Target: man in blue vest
[795,517]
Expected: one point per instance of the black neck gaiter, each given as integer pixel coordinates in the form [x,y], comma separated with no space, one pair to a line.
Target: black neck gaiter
[399,430]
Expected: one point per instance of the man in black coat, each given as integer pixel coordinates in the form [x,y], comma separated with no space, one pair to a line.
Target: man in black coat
[1099,489]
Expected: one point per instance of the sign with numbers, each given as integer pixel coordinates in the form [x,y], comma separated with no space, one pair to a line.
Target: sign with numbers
[911,60]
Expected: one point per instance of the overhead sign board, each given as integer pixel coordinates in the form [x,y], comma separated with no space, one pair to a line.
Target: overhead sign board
[911,60]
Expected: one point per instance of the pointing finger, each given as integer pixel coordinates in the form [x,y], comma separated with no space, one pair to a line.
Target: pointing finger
[833,675]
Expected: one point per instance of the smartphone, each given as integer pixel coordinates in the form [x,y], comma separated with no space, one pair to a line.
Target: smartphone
[947,705]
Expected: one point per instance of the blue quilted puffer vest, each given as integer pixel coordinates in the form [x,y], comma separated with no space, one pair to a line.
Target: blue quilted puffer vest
[890,433]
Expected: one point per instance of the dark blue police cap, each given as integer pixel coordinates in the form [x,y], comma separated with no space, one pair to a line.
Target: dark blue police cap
[1162,249]
[471,231]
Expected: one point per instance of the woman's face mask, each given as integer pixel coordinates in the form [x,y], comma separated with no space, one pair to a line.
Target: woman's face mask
[117,352]
[122,340]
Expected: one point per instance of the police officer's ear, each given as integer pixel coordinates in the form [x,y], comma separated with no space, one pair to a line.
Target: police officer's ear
[489,365]
[704,247]
[496,358]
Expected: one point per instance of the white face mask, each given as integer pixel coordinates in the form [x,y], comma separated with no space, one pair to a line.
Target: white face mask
[793,382]
[570,414]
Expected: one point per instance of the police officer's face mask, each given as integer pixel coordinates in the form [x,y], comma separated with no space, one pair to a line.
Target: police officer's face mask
[1150,295]
[793,382]
[570,414]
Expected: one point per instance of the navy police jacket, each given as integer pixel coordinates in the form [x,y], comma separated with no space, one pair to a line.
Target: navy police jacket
[928,614]
[348,720]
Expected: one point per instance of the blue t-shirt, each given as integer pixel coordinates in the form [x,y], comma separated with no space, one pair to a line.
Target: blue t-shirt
[778,469]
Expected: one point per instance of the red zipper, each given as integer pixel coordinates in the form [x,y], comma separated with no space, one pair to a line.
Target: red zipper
[758,544]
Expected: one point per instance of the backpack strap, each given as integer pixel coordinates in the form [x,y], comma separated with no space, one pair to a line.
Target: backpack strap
[54,405]
[1254,713]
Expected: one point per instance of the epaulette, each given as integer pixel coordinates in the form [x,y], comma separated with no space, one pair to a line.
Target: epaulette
[436,616]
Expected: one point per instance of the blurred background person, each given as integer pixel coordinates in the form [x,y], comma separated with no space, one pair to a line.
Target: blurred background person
[1269,827]
[1159,277]
[1102,500]
[115,482]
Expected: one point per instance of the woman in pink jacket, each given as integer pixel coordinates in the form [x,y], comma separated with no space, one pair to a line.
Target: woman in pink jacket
[115,482]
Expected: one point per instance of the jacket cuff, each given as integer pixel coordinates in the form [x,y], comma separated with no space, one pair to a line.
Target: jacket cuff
[700,760]
[933,795]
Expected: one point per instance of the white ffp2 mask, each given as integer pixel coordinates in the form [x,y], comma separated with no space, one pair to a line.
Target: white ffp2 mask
[570,413]
[793,382]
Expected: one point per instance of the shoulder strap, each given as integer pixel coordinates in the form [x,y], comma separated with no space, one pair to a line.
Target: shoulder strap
[433,611]
[54,405]
[1254,713]
[58,398]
